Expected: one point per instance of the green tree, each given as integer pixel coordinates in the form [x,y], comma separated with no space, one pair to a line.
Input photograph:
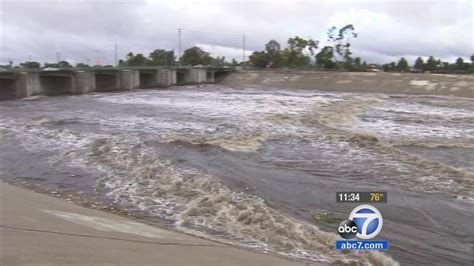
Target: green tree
[294,59]
[446,65]
[218,61]
[357,62]
[196,56]
[402,64]
[419,64]
[234,62]
[325,58]
[431,64]
[136,60]
[300,44]
[389,67]
[273,48]
[30,64]
[294,55]
[259,59]
[274,53]
[160,57]
[64,64]
[341,40]
[460,65]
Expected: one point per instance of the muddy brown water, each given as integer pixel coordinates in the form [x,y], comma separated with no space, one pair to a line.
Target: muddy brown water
[250,166]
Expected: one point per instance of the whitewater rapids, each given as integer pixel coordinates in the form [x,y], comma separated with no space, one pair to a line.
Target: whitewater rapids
[250,166]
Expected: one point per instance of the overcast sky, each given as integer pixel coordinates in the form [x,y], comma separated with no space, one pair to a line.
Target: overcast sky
[86,31]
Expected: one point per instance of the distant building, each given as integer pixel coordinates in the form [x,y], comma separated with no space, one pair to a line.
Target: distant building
[374,68]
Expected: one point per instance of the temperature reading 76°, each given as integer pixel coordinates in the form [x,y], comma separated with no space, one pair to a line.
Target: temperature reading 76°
[376,196]
[365,197]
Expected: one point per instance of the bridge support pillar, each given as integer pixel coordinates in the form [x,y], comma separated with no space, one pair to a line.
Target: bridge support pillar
[196,76]
[129,79]
[85,82]
[166,77]
[27,84]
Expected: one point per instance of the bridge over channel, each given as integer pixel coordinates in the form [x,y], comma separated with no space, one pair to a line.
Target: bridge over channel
[25,83]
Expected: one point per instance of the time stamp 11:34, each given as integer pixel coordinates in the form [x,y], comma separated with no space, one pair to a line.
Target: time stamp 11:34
[365,197]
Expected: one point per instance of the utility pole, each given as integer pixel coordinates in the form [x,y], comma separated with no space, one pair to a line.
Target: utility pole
[29,58]
[58,57]
[115,54]
[179,46]
[243,48]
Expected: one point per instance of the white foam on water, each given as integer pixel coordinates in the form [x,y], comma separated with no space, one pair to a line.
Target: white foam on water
[344,128]
[199,204]
[425,122]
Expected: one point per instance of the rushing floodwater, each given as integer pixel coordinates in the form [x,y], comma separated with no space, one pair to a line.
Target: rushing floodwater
[251,166]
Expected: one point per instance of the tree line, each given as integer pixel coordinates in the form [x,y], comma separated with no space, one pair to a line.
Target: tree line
[431,65]
[298,53]
[191,57]
[159,57]
[337,55]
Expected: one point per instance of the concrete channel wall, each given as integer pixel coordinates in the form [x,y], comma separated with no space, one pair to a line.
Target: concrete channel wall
[368,82]
[15,85]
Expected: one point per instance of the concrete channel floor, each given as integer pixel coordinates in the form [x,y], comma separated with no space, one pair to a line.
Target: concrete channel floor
[37,229]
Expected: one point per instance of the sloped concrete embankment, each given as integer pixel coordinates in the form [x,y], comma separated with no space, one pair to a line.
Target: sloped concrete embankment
[391,83]
[37,229]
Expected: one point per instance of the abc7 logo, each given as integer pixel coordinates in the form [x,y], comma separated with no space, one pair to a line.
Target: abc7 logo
[347,229]
[365,222]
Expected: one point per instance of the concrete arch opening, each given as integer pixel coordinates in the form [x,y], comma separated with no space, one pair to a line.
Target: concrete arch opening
[220,75]
[106,82]
[7,89]
[147,80]
[56,85]
[180,77]
[210,76]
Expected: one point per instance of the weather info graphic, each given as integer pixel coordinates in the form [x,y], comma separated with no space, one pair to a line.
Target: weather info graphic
[364,222]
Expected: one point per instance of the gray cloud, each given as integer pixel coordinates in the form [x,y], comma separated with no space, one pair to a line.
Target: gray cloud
[82,30]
